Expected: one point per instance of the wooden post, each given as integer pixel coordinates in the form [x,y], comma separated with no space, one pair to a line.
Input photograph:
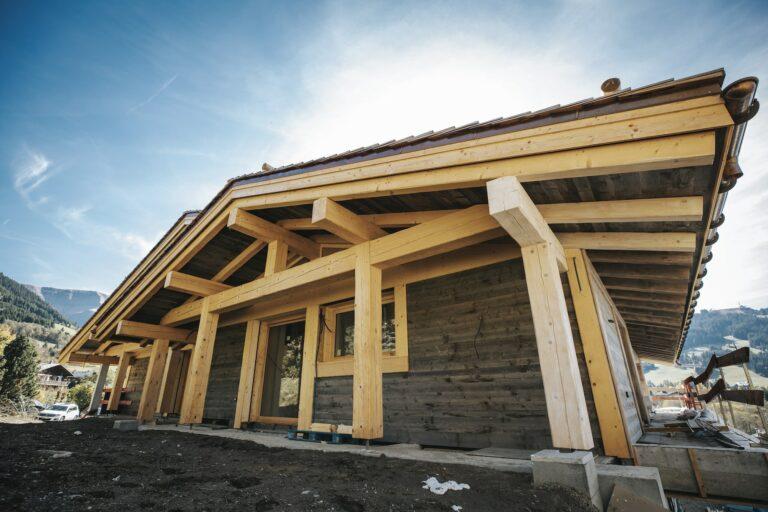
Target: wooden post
[367,401]
[566,406]
[174,377]
[247,368]
[258,373]
[615,442]
[193,403]
[153,381]
[277,257]
[309,366]
[543,258]
[117,387]
[98,390]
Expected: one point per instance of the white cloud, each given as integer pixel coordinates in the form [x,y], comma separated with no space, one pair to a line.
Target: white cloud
[32,170]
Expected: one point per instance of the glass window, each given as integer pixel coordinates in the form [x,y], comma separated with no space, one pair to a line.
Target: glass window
[282,371]
[345,331]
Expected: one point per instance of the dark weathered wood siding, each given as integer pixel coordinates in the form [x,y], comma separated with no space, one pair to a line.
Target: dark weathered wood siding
[474,378]
[221,398]
[134,383]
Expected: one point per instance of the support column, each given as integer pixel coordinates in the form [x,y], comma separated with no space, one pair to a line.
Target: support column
[193,403]
[543,259]
[174,382]
[607,406]
[566,406]
[367,401]
[309,366]
[98,390]
[117,387]
[153,381]
[277,257]
[247,369]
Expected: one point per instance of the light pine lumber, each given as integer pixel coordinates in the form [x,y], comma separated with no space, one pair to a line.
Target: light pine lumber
[331,216]
[308,366]
[153,381]
[252,225]
[193,403]
[193,285]
[151,331]
[247,372]
[566,406]
[612,433]
[117,387]
[367,398]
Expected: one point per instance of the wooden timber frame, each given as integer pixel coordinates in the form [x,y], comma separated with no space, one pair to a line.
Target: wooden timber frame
[370,257]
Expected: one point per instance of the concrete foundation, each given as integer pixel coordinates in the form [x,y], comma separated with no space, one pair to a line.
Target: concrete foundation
[641,481]
[576,470]
[126,425]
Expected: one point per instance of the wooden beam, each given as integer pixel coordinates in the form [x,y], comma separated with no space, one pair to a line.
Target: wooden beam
[193,404]
[367,397]
[671,288]
[239,260]
[641,258]
[566,406]
[607,406]
[92,359]
[675,209]
[193,285]
[247,369]
[664,307]
[649,272]
[117,387]
[510,205]
[152,331]
[460,229]
[309,366]
[249,224]
[150,393]
[645,297]
[331,216]
[277,257]
[679,242]
[258,373]
[623,152]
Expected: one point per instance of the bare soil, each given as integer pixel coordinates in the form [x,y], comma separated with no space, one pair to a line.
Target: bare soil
[161,470]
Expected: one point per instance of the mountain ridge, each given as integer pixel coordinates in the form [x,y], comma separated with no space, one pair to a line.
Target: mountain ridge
[77,305]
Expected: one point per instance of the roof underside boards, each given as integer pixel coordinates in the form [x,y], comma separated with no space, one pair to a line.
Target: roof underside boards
[679,182]
[634,279]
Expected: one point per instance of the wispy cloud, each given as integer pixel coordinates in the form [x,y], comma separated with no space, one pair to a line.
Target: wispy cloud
[157,93]
[32,170]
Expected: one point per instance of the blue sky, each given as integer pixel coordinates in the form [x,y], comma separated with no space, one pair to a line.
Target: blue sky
[116,117]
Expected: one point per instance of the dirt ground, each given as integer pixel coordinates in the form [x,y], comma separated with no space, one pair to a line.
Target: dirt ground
[156,470]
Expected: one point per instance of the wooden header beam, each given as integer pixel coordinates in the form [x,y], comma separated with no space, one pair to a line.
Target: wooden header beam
[151,331]
[331,216]
[193,285]
[510,205]
[249,224]
[92,359]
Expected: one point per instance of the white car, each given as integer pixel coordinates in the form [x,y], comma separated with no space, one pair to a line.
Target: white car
[60,412]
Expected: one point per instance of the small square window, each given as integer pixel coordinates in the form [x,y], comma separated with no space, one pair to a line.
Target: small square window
[345,331]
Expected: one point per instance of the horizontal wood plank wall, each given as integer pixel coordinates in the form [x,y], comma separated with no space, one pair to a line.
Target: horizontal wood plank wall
[221,398]
[135,382]
[470,384]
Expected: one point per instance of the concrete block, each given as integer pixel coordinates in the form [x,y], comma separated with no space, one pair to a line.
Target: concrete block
[576,470]
[642,481]
[126,425]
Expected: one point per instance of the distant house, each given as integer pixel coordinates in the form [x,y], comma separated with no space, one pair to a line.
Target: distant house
[54,380]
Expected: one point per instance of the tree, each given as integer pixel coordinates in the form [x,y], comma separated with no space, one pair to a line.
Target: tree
[20,365]
[81,395]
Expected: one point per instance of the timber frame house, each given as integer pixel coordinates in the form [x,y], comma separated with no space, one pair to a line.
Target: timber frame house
[495,284]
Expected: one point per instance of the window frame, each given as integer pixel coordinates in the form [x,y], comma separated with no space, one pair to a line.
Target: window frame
[331,365]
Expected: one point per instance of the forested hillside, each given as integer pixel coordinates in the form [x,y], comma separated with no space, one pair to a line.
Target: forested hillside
[19,304]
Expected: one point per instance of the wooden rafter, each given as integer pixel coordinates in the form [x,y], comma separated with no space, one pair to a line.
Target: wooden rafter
[680,242]
[151,331]
[238,261]
[193,285]
[331,216]
[249,224]
[93,359]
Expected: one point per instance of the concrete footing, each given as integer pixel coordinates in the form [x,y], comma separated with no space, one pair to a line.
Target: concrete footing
[126,425]
[641,481]
[576,470]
